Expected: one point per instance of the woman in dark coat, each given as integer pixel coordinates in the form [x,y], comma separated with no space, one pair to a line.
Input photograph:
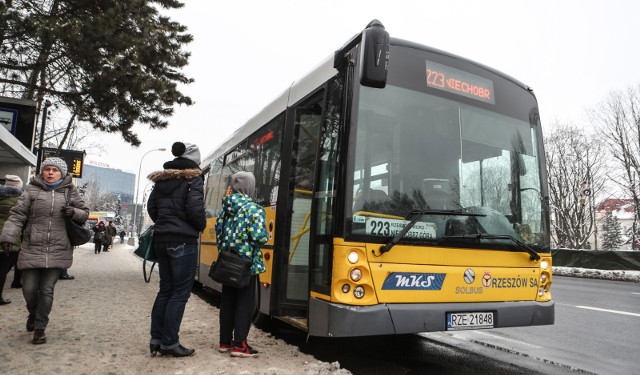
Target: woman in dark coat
[39,216]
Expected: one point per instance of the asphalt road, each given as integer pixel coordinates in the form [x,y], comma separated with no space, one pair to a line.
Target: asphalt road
[597,330]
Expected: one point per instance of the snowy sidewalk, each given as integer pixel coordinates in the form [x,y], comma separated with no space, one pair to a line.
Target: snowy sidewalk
[100,325]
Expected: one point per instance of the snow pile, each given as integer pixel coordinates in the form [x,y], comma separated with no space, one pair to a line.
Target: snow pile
[597,274]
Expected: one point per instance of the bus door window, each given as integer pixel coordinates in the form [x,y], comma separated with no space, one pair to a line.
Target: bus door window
[326,189]
[303,161]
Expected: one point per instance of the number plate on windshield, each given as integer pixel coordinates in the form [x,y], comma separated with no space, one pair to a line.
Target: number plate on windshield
[471,320]
[391,227]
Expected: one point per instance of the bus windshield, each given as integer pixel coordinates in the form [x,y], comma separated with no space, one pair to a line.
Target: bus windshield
[417,151]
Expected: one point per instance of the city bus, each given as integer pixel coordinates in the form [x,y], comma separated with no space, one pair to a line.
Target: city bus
[405,191]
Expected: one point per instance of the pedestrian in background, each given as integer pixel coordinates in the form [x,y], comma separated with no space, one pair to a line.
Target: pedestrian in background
[240,227]
[39,216]
[9,193]
[176,206]
[98,236]
[107,238]
[122,234]
[113,232]
[64,275]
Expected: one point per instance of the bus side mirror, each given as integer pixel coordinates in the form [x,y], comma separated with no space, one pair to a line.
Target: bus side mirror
[374,58]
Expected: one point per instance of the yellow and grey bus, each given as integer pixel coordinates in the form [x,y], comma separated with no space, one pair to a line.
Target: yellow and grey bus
[405,191]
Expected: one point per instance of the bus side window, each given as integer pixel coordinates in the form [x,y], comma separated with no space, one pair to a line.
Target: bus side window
[214,191]
[265,150]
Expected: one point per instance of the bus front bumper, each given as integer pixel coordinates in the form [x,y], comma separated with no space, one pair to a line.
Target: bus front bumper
[328,319]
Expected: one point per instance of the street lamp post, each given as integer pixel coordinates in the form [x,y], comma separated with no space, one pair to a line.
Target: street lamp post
[135,203]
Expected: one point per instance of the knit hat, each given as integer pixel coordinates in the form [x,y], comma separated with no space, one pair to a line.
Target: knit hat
[13,180]
[243,182]
[56,162]
[187,151]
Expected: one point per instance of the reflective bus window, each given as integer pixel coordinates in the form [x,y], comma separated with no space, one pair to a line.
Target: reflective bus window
[215,189]
[234,162]
[264,161]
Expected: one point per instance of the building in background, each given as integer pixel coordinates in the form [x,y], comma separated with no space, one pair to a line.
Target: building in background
[108,189]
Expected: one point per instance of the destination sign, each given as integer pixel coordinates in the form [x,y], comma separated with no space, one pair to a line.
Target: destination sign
[459,82]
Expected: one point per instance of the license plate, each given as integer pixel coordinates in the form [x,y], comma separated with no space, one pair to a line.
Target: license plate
[470,320]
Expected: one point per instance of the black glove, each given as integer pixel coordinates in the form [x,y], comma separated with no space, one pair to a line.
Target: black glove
[5,247]
[68,211]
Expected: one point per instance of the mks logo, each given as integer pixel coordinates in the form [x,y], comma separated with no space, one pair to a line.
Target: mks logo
[414,281]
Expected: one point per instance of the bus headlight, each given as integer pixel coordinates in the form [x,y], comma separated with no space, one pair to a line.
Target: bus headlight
[543,278]
[358,292]
[540,292]
[353,257]
[346,288]
[544,264]
[356,274]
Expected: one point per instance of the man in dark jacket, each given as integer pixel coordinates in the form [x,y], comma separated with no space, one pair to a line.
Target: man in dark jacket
[176,205]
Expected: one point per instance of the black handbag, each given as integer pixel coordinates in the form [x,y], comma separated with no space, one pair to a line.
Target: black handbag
[231,269]
[146,252]
[78,234]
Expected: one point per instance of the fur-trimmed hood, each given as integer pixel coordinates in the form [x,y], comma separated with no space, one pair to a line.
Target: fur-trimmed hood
[166,181]
[174,174]
[176,205]
[9,191]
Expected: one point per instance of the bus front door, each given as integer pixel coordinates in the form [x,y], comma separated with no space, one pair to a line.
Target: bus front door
[294,294]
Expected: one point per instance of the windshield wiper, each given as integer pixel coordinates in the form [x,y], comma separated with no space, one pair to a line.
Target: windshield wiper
[484,236]
[416,215]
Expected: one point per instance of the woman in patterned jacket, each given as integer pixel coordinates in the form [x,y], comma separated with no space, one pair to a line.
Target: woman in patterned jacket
[240,226]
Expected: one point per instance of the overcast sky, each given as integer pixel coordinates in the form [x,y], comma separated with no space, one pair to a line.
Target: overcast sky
[245,53]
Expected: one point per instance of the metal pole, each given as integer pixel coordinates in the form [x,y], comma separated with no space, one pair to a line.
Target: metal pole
[47,104]
[135,203]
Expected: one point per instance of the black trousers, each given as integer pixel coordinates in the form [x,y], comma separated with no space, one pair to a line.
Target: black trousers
[236,311]
[5,265]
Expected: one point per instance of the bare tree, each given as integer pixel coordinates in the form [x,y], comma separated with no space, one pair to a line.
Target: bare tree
[575,162]
[617,120]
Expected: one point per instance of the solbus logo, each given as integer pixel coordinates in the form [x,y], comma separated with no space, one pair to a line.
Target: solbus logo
[413,281]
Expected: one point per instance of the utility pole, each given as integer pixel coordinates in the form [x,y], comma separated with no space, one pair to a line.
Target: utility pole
[45,113]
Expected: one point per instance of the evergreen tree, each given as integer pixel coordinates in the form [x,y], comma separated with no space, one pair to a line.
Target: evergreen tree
[110,63]
[611,232]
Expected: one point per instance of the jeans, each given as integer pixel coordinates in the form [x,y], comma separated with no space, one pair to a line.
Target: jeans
[37,288]
[177,264]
